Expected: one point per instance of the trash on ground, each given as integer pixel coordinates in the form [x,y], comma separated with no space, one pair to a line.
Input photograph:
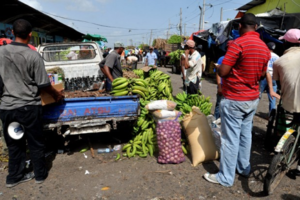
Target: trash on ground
[87,172]
[105,188]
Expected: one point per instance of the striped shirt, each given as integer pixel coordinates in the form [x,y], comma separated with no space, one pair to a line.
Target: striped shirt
[248,56]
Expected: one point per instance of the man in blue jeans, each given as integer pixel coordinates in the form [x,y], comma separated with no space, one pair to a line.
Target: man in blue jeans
[243,66]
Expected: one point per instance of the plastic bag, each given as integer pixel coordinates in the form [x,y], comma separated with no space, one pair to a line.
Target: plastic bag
[162,114]
[169,142]
[161,105]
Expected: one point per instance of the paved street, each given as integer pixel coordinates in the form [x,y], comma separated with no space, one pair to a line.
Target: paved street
[76,177]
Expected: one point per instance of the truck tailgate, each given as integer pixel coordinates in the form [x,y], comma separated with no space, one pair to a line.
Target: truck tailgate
[108,107]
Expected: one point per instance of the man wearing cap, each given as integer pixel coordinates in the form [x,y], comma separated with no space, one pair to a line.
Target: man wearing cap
[272,86]
[23,77]
[111,65]
[193,66]
[151,58]
[243,66]
[286,69]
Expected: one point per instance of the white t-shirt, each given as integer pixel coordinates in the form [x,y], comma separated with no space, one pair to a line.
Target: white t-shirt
[287,70]
[195,69]
[274,57]
[131,59]
[72,55]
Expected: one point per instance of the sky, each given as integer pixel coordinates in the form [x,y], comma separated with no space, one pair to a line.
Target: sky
[131,21]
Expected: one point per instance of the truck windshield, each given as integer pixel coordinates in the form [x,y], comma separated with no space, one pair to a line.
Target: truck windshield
[68,53]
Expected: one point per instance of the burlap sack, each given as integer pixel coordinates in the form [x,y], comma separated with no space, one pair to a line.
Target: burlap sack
[200,137]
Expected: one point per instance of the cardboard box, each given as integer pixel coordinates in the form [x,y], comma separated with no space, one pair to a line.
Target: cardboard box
[47,98]
[147,69]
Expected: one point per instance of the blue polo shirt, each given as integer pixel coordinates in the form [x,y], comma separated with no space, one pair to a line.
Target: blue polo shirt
[151,58]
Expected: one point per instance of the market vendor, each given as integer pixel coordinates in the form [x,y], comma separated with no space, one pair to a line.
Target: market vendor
[23,77]
[151,58]
[111,65]
[131,59]
[193,66]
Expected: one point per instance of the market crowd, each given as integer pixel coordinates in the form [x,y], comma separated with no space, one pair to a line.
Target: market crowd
[249,67]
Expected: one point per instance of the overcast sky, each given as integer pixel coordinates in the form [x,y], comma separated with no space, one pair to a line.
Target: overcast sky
[134,19]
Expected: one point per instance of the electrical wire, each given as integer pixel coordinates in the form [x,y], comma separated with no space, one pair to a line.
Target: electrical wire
[102,25]
[295,3]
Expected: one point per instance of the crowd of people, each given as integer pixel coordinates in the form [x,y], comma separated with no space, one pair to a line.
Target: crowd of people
[249,67]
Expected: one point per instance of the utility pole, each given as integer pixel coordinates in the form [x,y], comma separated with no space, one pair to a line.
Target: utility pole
[200,18]
[168,29]
[185,29]
[221,16]
[180,24]
[150,38]
[203,13]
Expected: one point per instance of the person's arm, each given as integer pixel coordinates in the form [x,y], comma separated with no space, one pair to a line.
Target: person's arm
[219,84]
[187,65]
[155,59]
[41,78]
[233,54]
[270,84]
[57,95]
[107,73]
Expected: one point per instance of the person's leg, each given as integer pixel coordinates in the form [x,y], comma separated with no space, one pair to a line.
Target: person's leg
[263,85]
[243,162]
[272,102]
[217,107]
[231,117]
[31,118]
[16,150]
[108,85]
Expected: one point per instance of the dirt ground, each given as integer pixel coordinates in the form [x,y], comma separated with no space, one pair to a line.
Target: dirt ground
[75,175]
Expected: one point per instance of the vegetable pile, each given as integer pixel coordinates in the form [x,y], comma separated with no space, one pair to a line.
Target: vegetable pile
[185,102]
[175,39]
[175,56]
[169,142]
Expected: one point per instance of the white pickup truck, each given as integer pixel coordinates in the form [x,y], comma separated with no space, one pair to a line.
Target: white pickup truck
[85,115]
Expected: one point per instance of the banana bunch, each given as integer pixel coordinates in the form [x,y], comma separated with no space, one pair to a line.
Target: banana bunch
[186,102]
[120,87]
[143,144]
[185,146]
[139,73]
[162,83]
[139,86]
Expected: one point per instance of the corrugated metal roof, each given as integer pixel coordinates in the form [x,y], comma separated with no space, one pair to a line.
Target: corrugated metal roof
[252,4]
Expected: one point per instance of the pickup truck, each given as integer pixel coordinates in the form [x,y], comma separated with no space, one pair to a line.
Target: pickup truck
[76,116]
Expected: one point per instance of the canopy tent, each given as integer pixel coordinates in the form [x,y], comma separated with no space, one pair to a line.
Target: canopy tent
[94,37]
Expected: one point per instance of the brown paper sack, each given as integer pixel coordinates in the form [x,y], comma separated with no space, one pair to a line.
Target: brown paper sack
[200,137]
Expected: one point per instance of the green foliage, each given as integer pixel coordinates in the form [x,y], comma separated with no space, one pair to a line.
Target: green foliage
[142,46]
[175,39]
[175,56]
[130,47]
[154,42]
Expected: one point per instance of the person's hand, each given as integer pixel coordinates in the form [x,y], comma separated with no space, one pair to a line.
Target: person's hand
[183,77]
[219,90]
[187,51]
[59,96]
[274,94]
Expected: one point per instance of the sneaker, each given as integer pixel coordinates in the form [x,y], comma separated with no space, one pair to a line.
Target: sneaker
[211,178]
[26,177]
[39,181]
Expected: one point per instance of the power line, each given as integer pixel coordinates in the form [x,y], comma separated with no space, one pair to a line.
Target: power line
[102,25]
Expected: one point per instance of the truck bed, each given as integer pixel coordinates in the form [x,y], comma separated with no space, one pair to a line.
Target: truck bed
[107,108]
